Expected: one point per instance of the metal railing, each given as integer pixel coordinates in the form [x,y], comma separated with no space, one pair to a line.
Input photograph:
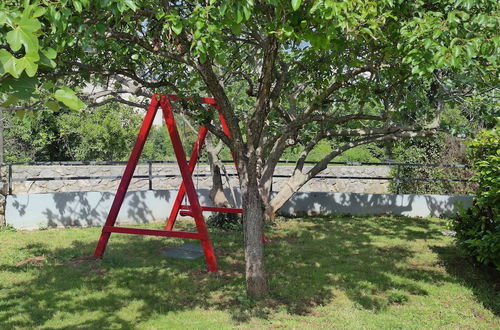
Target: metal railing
[150,176]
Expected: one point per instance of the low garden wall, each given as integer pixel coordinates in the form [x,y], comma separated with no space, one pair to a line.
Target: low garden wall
[81,209]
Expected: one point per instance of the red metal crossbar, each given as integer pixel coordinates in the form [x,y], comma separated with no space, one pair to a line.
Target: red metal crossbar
[152,232]
[194,210]
[215,209]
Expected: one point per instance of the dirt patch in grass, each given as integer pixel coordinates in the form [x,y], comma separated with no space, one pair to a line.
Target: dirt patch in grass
[32,260]
[89,264]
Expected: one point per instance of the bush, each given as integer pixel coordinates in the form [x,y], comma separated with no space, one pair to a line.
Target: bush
[442,149]
[478,228]
[225,221]
[369,153]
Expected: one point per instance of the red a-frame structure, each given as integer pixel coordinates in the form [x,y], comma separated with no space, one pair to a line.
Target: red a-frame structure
[194,209]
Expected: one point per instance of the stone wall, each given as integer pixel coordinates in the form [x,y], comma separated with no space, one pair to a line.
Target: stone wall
[319,184]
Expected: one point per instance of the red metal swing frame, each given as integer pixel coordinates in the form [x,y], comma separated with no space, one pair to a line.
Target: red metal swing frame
[194,209]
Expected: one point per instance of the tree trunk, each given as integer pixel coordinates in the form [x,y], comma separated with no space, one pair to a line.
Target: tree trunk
[266,189]
[216,193]
[253,215]
[287,190]
[1,137]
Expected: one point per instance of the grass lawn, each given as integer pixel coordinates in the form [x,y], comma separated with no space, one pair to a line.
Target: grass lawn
[331,272]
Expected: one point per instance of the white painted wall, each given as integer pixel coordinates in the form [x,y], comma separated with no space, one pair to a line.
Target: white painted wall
[81,209]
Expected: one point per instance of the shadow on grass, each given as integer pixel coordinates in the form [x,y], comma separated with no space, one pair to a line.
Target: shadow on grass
[306,263]
[484,281]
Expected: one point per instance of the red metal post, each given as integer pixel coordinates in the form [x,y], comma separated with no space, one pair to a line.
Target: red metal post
[188,182]
[127,175]
[182,189]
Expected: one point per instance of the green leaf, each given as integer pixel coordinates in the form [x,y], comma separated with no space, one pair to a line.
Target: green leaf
[50,53]
[177,27]
[3,18]
[236,28]
[296,4]
[248,12]
[223,8]
[8,64]
[52,105]
[77,5]
[436,33]
[22,87]
[203,58]
[100,28]
[28,63]
[10,101]
[20,114]
[69,98]
[39,11]
[45,60]
[30,24]
[24,35]
[315,6]
[131,4]
[239,16]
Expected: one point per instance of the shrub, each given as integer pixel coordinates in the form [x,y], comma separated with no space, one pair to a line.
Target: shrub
[369,153]
[397,297]
[225,221]
[441,148]
[478,228]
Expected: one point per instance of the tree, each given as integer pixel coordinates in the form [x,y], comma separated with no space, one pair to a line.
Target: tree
[353,72]
[34,137]
[102,133]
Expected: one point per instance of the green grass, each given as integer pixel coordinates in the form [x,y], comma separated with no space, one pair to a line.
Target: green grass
[331,272]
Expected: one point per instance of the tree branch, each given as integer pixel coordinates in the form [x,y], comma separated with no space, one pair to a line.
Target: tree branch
[256,123]
[150,48]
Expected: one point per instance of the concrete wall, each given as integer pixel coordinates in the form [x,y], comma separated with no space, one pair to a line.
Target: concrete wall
[327,185]
[320,203]
[67,209]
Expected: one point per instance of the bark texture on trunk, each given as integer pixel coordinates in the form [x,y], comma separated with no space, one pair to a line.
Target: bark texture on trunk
[297,180]
[216,193]
[253,215]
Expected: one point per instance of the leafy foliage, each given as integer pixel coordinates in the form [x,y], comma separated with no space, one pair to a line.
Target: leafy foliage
[225,221]
[105,133]
[478,228]
[34,137]
[370,153]
[439,149]
[27,49]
